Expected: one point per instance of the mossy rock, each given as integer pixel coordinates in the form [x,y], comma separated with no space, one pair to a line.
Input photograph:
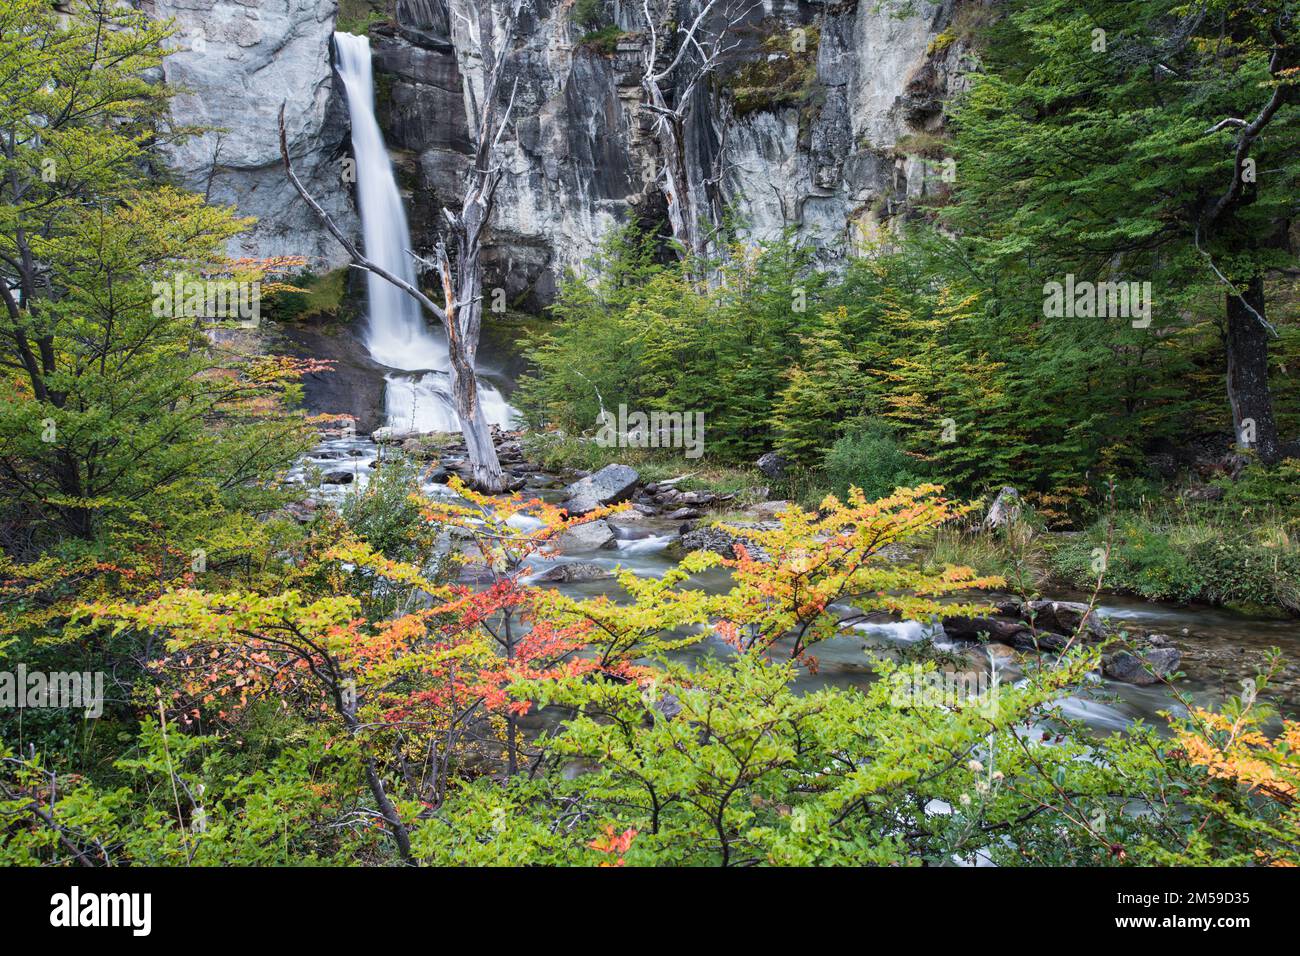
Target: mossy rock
[785,75]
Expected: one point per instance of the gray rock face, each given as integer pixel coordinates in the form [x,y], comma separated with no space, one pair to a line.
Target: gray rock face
[1151,667]
[579,158]
[353,386]
[609,486]
[837,168]
[237,61]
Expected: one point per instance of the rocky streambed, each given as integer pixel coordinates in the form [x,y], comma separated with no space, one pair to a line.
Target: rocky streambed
[1206,653]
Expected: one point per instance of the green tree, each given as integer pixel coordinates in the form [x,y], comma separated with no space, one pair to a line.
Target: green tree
[650,336]
[1146,140]
[821,393]
[109,407]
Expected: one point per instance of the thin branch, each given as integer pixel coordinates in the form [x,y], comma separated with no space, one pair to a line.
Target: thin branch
[1196,238]
[358,260]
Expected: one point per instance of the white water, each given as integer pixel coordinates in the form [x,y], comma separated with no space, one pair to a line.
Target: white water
[422,402]
[397,335]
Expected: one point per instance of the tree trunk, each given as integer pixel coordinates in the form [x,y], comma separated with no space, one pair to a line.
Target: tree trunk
[675,186]
[79,521]
[475,428]
[464,311]
[688,201]
[1248,391]
[683,132]
[396,828]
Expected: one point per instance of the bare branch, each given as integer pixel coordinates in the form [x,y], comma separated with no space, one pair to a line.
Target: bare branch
[505,119]
[687,41]
[358,260]
[1224,124]
[1231,288]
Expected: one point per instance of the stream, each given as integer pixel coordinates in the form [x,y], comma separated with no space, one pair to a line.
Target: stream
[1220,647]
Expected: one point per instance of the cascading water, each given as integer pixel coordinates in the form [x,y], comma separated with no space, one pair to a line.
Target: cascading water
[397,335]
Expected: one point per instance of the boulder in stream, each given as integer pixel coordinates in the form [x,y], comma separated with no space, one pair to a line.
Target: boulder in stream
[388,435]
[609,486]
[1150,667]
[976,629]
[629,517]
[433,446]
[1060,617]
[574,573]
[585,537]
[714,538]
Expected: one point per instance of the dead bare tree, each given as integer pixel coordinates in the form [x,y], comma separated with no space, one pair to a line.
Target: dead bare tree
[694,210]
[461,313]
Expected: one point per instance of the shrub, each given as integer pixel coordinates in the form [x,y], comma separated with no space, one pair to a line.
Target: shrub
[1261,489]
[385,514]
[605,40]
[358,16]
[1188,556]
[869,458]
[307,296]
[589,14]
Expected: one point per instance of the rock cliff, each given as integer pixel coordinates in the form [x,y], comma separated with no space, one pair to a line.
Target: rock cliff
[824,119]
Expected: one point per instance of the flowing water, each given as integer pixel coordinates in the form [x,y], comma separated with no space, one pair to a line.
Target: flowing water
[417,394]
[1220,647]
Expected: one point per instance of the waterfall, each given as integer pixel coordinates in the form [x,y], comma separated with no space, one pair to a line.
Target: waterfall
[397,334]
